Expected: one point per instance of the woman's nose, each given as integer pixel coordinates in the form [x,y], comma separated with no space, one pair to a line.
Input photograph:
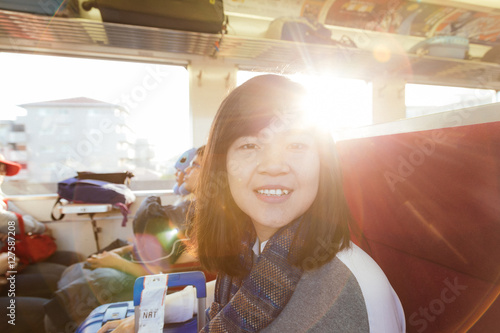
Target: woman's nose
[273,162]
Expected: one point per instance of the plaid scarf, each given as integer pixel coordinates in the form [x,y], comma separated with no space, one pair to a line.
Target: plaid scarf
[252,303]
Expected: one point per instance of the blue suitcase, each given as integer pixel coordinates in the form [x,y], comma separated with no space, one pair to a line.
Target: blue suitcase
[107,312]
[104,313]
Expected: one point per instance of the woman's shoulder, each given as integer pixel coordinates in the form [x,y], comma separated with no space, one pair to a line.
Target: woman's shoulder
[367,272]
[360,263]
[326,299]
[382,303]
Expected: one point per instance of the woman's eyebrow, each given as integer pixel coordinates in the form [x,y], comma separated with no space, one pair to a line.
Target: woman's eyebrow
[246,137]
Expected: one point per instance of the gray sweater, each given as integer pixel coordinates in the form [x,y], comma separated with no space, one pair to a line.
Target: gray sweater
[349,294]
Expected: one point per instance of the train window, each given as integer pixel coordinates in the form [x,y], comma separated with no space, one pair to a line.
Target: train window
[338,102]
[427,99]
[61,115]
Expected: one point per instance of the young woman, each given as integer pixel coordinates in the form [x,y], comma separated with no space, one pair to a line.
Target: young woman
[273,222]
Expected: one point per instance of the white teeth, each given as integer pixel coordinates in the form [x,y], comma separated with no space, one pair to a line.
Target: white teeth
[273,192]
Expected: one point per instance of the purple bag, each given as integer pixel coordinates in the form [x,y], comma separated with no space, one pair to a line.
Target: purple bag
[94,191]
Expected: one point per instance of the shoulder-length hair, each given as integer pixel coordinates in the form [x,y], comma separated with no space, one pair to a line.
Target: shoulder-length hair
[220,225]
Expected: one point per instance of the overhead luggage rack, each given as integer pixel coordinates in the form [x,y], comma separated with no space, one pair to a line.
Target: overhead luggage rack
[23,32]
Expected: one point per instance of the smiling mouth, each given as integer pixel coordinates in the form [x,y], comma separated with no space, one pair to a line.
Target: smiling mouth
[274,192]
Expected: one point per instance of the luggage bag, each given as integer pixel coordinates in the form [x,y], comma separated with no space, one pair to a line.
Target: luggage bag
[120,310]
[50,8]
[195,279]
[104,313]
[188,15]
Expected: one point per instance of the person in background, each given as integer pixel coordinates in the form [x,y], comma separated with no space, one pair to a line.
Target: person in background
[183,211]
[34,283]
[193,171]
[180,171]
[38,279]
[185,206]
[109,276]
[272,220]
[180,214]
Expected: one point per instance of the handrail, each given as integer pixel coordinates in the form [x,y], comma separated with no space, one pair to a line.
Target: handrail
[53,196]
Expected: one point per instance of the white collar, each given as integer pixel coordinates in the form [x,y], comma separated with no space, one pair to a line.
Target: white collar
[255,247]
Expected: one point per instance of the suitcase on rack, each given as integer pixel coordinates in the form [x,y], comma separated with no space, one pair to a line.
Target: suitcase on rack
[121,310]
[188,15]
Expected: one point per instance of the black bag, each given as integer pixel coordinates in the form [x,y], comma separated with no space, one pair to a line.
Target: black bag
[299,29]
[152,218]
[305,30]
[493,55]
[188,15]
[454,47]
[115,177]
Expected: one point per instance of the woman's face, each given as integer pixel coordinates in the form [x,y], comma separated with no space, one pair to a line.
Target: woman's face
[192,174]
[274,176]
[179,177]
[3,172]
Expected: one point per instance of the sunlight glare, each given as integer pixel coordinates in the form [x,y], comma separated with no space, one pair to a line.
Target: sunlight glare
[170,234]
[335,103]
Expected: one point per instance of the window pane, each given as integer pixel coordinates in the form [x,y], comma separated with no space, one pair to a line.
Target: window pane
[427,99]
[61,115]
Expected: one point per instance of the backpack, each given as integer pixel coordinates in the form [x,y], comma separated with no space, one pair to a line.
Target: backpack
[305,30]
[492,55]
[299,29]
[443,46]
[90,191]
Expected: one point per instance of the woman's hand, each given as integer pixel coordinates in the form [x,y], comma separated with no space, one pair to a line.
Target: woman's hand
[113,260]
[106,259]
[119,326]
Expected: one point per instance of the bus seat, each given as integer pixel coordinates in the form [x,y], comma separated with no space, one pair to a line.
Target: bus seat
[426,206]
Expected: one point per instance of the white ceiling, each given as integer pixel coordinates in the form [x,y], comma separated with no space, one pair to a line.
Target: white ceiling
[470,4]
[485,3]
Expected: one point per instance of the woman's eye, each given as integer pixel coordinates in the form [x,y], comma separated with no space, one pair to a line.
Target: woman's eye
[249,146]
